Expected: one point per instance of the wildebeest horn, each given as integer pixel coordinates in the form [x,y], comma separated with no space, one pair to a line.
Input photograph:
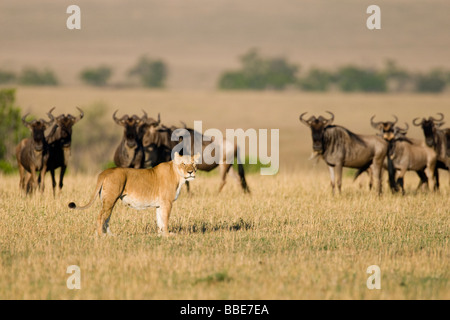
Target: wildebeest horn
[417,124]
[145,116]
[375,125]
[80,116]
[331,119]
[303,120]
[396,119]
[403,130]
[117,120]
[159,118]
[438,120]
[52,118]
[184,124]
[25,122]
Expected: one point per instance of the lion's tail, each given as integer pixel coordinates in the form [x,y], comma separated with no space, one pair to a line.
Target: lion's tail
[98,189]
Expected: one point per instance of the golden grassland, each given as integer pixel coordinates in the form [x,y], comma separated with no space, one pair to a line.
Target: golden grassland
[290,239]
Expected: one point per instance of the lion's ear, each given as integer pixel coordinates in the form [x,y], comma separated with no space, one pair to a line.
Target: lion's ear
[196,158]
[177,158]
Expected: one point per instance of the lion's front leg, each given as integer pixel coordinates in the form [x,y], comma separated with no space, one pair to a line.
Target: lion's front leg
[162,217]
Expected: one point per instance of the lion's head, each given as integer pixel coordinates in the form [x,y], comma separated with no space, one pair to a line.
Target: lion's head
[186,166]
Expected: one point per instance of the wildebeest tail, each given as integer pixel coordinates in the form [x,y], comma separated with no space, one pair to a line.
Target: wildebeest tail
[98,188]
[242,176]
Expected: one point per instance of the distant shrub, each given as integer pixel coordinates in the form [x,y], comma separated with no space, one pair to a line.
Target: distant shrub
[233,80]
[316,80]
[352,78]
[11,129]
[152,73]
[398,78]
[96,76]
[7,77]
[434,81]
[34,77]
[259,73]
[6,167]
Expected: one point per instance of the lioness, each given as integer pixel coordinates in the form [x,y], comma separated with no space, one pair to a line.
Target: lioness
[142,188]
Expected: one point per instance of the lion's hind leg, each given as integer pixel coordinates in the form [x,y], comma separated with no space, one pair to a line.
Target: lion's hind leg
[104,216]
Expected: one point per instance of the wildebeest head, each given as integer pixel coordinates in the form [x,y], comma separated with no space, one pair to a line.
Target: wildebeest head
[38,128]
[148,128]
[429,127]
[65,123]
[317,126]
[386,128]
[130,125]
[399,134]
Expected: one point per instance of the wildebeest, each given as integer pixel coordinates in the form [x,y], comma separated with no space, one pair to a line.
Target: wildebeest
[339,147]
[129,153]
[32,153]
[158,147]
[59,141]
[386,129]
[407,155]
[437,138]
[147,135]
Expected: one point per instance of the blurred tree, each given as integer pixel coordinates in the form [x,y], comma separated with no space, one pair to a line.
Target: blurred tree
[96,76]
[352,78]
[152,73]
[34,77]
[11,129]
[433,81]
[258,73]
[316,80]
[7,77]
[398,78]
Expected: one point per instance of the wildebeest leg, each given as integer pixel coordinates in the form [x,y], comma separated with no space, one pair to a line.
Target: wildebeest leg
[25,181]
[42,176]
[436,178]
[376,175]
[162,217]
[32,181]
[400,180]
[23,176]
[332,178]
[423,179]
[61,176]
[338,171]
[224,168]
[370,173]
[429,171]
[52,173]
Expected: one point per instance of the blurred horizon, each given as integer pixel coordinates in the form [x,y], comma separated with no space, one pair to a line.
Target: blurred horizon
[200,39]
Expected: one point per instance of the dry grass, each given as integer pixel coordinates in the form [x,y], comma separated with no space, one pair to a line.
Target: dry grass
[289,240]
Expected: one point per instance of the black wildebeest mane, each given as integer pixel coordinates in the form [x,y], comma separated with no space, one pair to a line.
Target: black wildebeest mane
[341,135]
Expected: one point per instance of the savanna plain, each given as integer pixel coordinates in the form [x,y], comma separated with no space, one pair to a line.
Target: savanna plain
[289,239]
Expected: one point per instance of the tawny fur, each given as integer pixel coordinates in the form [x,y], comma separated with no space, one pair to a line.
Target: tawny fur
[156,187]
